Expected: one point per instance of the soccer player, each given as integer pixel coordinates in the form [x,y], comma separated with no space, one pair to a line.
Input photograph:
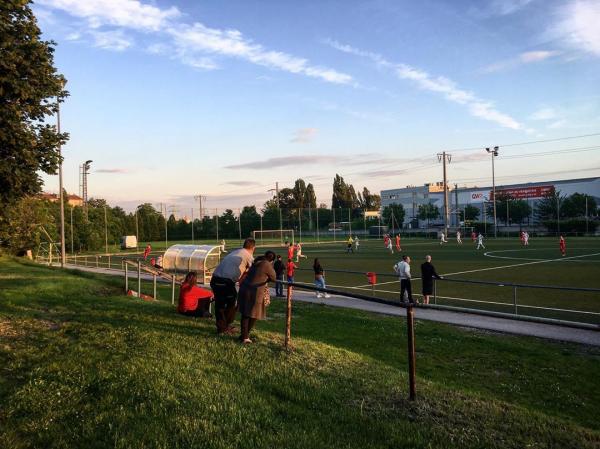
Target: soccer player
[458,239]
[299,254]
[473,236]
[389,245]
[147,251]
[526,238]
[480,241]
[291,266]
[223,243]
[398,248]
[522,237]
[562,244]
[443,238]
[349,244]
[356,243]
[290,251]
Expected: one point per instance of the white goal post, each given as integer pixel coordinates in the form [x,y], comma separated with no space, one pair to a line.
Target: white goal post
[273,236]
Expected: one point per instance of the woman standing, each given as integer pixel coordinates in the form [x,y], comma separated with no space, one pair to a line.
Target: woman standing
[253,297]
[428,273]
[319,278]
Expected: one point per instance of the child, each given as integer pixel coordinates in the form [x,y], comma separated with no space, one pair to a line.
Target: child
[291,266]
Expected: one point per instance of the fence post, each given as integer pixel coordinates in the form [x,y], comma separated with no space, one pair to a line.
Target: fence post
[139,279]
[434,291]
[173,290]
[75,259]
[288,318]
[410,327]
[154,296]
[97,265]
[515,299]
[126,277]
[85,262]
[109,262]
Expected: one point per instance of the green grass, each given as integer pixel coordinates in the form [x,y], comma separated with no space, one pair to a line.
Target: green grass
[81,365]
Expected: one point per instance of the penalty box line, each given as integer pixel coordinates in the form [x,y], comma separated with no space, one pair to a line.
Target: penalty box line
[491,268]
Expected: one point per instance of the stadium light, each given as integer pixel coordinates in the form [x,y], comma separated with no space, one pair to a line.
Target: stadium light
[63,254]
[494,153]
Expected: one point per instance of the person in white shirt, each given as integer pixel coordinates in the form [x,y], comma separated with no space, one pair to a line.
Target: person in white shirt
[299,254]
[402,268]
[458,238]
[356,243]
[389,245]
[443,238]
[223,246]
[480,241]
[526,238]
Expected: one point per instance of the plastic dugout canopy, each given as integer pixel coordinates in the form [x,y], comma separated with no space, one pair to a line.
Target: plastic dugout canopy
[202,259]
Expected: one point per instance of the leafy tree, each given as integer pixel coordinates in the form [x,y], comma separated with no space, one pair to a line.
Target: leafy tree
[548,208]
[250,220]
[299,194]
[469,213]
[24,219]
[310,198]
[30,90]
[575,205]
[428,212]
[228,224]
[344,195]
[369,201]
[396,211]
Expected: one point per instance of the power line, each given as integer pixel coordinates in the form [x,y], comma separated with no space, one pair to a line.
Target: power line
[531,142]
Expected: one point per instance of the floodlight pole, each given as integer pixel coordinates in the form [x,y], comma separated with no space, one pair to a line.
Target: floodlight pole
[494,153]
[192,225]
[443,157]
[63,255]
[105,231]
[72,240]
[137,229]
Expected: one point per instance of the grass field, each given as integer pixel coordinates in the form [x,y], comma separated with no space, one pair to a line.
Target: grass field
[503,260]
[81,365]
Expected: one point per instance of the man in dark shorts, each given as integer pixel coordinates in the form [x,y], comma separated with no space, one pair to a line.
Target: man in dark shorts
[230,271]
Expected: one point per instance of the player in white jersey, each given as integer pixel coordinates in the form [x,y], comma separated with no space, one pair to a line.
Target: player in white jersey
[526,238]
[356,243]
[480,241]
[443,238]
[299,254]
[389,245]
[458,238]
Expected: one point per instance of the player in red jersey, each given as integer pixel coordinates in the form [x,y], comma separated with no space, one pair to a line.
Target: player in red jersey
[562,244]
[147,251]
[398,247]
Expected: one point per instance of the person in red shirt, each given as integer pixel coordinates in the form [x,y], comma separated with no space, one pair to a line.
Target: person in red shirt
[398,243]
[473,236]
[147,251]
[562,244]
[291,266]
[291,251]
[193,300]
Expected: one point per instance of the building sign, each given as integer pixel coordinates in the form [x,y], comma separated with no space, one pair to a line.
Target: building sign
[519,193]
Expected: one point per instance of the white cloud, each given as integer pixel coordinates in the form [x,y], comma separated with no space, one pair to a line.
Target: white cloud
[478,107]
[125,13]
[111,40]
[579,26]
[194,45]
[304,135]
[197,38]
[544,114]
[506,7]
[528,57]
[557,124]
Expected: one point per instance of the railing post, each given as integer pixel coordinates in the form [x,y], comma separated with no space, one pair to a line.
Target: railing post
[85,262]
[139,279]
[154,296]
[75,259]
[434,291]
[288,318]
[97,266]
[109,262]
[515,299]
[126,277]
[410,328]
[173,290]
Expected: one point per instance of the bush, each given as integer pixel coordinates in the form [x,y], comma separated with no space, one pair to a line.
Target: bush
[572,226]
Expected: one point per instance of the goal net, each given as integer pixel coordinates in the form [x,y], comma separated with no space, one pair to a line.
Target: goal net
[273,236]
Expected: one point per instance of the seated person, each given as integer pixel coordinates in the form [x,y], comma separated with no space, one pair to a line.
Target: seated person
[193,300]
[158,263]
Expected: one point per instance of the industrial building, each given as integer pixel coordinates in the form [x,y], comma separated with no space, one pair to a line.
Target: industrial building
[411,197]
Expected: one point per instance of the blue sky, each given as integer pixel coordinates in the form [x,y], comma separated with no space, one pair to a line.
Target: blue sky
[171,99]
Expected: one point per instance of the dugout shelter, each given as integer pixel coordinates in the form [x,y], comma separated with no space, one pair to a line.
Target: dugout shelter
[203,259]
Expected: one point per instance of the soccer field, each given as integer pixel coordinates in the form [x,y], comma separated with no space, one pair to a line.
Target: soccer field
[503,261]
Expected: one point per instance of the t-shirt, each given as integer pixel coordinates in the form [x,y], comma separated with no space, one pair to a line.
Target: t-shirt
[278,267]
[189,296]
[234,264]
[290,252]
[290,268]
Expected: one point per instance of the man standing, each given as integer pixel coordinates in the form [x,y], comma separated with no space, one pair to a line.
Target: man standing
[398,247]
[279,269]
[402,268]
[349,245]
[562,244]
[232,269]
[480,241]
[356,243]
[526,238]
[458,238]
[443,238]
[428,273]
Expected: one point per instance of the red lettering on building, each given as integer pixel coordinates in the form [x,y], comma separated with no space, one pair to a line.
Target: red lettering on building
[519,193]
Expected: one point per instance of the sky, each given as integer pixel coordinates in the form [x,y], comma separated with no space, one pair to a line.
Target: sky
[221,98]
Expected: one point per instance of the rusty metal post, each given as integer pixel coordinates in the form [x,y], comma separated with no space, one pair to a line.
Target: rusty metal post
[410,328]
[154,296]
[288,317]
[173,290]
[434,291]
[109,262]
[139,279]
[97,263]
[515,299]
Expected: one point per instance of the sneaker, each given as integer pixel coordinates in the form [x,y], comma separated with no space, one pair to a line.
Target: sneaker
[327,295]
[319,295]
[247,341]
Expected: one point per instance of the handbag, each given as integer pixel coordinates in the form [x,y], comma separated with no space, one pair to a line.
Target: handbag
[266,296]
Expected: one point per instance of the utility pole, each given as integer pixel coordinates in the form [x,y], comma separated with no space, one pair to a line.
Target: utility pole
[456,206]
[73,241]
[586,215]
[192,225]
[200,198]
[137,229]
[105,231]
[443,157]
[63,254]
[279,209]
[494,153]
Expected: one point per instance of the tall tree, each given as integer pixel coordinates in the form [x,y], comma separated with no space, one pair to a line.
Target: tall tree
[469,213]
[369,201]
[396,211]
[428,212]
[344,195]
[575,205]
[299,193]
[310,198]
[30,90]
[548,208]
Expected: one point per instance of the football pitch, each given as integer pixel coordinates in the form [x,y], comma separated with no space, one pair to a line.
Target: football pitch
[502,261]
